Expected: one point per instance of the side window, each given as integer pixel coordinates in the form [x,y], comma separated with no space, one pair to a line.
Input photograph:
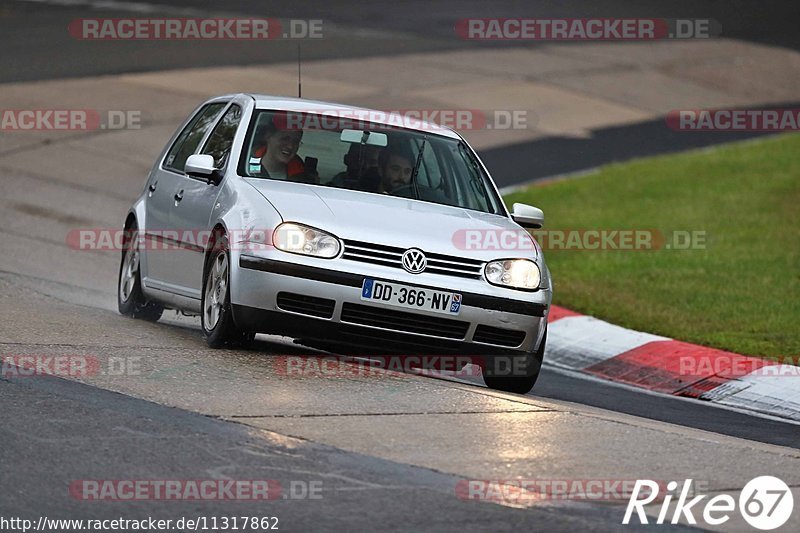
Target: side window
[187,142]
[221,139]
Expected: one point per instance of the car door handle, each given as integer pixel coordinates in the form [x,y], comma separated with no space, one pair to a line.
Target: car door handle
[178,196]
[152,188]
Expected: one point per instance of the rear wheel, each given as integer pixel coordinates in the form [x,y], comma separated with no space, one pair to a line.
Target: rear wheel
[520,382]
[216,316]
[130,299]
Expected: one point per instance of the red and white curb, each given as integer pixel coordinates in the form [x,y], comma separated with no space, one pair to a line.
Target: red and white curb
[591,346]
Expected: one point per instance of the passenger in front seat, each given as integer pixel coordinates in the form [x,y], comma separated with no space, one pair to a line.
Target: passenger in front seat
[277,157]
[362,163]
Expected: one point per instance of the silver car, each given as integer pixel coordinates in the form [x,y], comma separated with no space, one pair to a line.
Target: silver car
[348,229]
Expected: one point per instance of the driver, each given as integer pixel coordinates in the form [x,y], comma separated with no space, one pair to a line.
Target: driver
[395,166]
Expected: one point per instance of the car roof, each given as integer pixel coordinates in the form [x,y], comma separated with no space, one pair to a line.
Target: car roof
[385,118]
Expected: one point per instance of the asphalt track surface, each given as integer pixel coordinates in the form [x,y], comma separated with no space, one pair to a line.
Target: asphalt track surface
[40,48]
[56,430]
[102,430]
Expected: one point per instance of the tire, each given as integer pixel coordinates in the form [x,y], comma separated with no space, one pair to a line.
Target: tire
[518,384]
[130,299]
[216,316]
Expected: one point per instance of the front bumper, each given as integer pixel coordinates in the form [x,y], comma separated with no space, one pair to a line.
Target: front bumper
[477,329]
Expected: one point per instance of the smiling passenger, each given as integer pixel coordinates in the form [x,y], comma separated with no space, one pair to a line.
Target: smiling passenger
[279,159]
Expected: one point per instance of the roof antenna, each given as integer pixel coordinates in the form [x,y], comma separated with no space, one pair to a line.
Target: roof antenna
[299,79]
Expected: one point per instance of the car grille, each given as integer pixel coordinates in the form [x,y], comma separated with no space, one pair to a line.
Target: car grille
[307,305]
[499,336]
[391,256]
[402,321]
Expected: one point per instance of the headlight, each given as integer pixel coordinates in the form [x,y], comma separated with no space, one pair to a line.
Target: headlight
[299,239]
[515,273]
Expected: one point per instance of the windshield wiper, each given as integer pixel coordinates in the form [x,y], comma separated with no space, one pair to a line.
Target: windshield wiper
[476,182]
[416,167]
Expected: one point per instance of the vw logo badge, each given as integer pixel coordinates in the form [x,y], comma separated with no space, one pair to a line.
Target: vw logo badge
[414,260]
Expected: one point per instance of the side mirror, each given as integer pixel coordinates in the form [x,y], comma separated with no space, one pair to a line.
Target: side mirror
[202,166]
[528,216]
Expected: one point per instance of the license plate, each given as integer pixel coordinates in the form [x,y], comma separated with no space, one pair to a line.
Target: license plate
[409,297]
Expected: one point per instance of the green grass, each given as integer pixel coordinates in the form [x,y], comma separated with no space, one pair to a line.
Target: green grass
[740,293]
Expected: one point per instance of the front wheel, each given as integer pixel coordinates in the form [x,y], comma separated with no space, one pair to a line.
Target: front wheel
[520,382]
[130,299]
[216,317]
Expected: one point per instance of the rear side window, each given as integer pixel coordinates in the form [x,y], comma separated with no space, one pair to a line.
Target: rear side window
[187,142]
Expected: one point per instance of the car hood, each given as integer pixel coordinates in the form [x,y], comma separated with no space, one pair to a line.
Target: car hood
[393,221]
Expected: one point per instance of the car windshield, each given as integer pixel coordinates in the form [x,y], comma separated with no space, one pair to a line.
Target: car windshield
[364,156]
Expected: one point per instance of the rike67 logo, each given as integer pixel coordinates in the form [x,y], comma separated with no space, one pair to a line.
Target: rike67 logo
[765,503]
